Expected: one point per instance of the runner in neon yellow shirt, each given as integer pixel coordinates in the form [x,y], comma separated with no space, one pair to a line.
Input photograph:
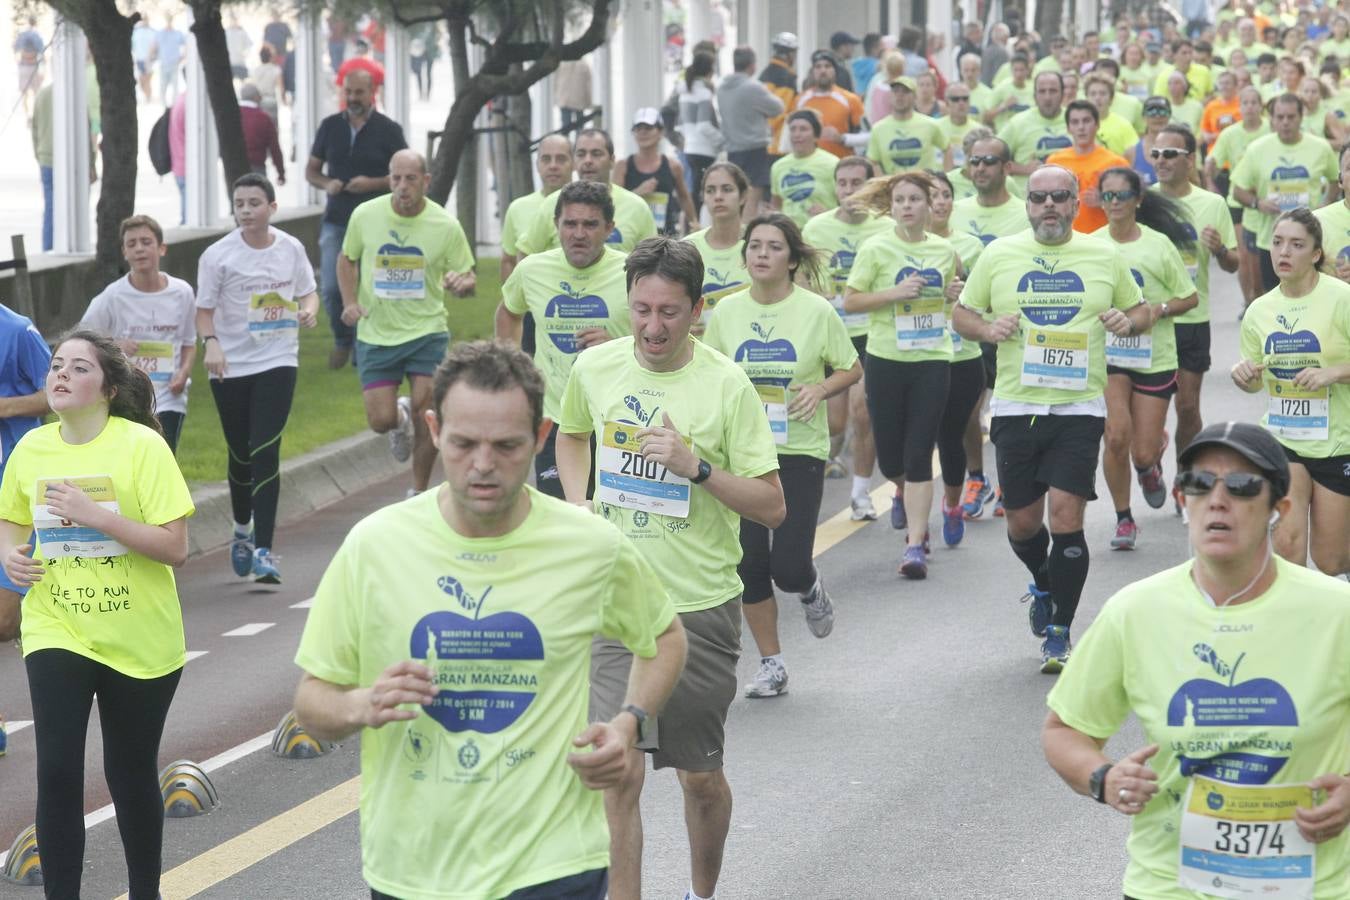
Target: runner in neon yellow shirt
[554,164]
[468,682]
[1012,96]
[101,614]
[1223,661]
[839,233]
[1230,146]
[1335,219]
[787,339]
[1296,348]
[1033,135]
[958,122]
[578,298]
[906,140]
[901,279]
[1068,290]
[401,256]
[725,190]
[802,181]
[676,474]
[1141,370]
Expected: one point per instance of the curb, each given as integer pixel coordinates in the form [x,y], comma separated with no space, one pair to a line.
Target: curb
[309,483]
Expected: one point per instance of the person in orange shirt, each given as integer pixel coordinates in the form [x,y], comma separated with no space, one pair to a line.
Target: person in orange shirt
[840,111]
[1087,160]
[1223,110]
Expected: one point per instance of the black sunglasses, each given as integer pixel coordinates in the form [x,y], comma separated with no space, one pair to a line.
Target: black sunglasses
[1168,152]
[1198,483]
[1059,196]
[1124,196]
[1157,110]
[954,99]
[987,160]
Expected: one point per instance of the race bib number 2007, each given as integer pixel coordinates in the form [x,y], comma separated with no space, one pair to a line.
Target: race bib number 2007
[627,479]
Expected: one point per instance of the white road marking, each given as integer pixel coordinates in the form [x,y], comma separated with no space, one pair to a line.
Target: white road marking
[249,630]
[303,604]
[17,725]
[196,654]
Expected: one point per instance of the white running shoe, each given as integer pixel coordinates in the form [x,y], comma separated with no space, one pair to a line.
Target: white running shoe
[770,681]
[819,611]
[863,510]
[401,438]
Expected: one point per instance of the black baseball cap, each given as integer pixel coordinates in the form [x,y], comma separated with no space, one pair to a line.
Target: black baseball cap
[840,38]
[1252,442]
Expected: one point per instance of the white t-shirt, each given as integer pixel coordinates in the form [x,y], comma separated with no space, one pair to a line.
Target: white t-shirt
[254,295]
[162,323]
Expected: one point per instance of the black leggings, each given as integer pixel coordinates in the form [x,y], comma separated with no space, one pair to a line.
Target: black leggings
[786,559]
[253,411]
[905,401]
[172,425]
[966,387]
[591,885]
[698,164]
[131,712]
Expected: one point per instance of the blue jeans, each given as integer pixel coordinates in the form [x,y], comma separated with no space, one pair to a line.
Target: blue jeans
[330,245]
[47,210]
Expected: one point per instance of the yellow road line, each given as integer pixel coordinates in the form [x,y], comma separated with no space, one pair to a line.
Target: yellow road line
[841,524]
[259,842]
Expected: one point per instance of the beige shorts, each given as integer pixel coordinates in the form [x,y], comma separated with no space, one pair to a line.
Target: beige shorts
[691,730]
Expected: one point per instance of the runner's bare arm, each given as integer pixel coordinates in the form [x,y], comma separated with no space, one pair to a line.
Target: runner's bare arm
[332,712]
[31,405]
[506,325]
[574,464]
[165,543]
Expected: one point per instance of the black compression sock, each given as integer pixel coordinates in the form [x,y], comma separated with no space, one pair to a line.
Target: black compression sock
[1123,514]
[1033,552]
[1068,573]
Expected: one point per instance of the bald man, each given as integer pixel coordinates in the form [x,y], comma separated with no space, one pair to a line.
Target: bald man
[401,255]
[350,164]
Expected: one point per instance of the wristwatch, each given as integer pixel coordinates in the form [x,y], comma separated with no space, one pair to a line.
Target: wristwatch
[1164,311]
[704,472]
[641,715]
[1097,782]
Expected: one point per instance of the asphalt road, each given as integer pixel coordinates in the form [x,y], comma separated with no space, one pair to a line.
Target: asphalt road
[903,763]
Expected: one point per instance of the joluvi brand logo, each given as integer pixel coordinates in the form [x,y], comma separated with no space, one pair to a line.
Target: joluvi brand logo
[571,303]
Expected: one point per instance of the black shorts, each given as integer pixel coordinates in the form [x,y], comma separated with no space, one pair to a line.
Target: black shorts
[1223,180]
[754,163]
[989,353]
[1332,472]
[1154,384]
[860,344]
[1249,240]
[1193,346]
[1036,453]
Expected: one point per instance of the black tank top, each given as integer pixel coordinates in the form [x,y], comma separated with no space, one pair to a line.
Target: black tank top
[664,213]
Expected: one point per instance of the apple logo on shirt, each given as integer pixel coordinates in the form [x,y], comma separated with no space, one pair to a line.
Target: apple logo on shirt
[932,278]
[905,151]
[1056,296]
[1288,171]
[1291,342]
[722,283]
[1049,143]
[481,665]
[797,186]
[977,230]
[765,349]
[572,304]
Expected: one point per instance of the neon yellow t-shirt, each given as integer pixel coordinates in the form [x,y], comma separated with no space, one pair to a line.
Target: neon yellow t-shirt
[841,240]
[1204,209]
[1116,134]
[1287,335]
[98,598]
[989,222]
[505,624]
[1289,174]
[633,222]
[955,134]
[724,270]
[780,344]
[1335,219]
[903,145]
[981,99]
[1138,82]
[1158,269]
[1031,136]
[402,263]
[1059,353]
[1231,144]
[962,187]
[1025,97]
[1252,694]
[1189,113]
[907,330]
[1198,76]
[968,249]
[565,300]
[803,182]
[696,555]
[518,217]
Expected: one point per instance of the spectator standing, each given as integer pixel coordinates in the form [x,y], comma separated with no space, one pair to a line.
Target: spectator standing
[169,43]
[748,107]
[364,62]
[698,123]
[238,43]
[350,163]
[143,54]
[572,90]
[266,78]
[42,150]
[911,45]
[780,76]
[865,66]
[840,111]
[995,55]
[423,49]
[338,29]
[28,52]
[843,45]
[277,35]
[178,152]
[260,133]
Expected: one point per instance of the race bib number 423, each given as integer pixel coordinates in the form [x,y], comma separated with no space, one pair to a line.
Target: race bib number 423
[1241,841]
[627,479]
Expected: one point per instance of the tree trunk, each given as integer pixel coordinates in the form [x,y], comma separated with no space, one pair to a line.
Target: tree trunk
[108,33]
[215,59]
[457,155]
[520,165]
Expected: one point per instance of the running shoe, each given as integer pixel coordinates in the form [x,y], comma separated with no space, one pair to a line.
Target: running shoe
[1055,649]
[978,492]
[953,524]
[819,611]
[898,520]
[401,438]
[863,510]
[1041,609]
[1153,486]
[265,569]
[835,469]
[4,740]
[241,554]
[998,504]
[770,681]
[915,564]
[1126,534]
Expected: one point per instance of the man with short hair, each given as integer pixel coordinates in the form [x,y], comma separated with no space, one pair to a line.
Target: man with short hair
[747,110]
[840,111]
[1114,131]
[1034,134]
[981,96]
[553,162]
[780,77]
[593,159]
[1198,75]
[905,141]
[675,473]
[995,54]
[577,297]
[864,66]
[400,256]
[259,133]
[1051,295]
[1087,159]
[843,45]
[355,147]
[1013,96]
[461,658]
